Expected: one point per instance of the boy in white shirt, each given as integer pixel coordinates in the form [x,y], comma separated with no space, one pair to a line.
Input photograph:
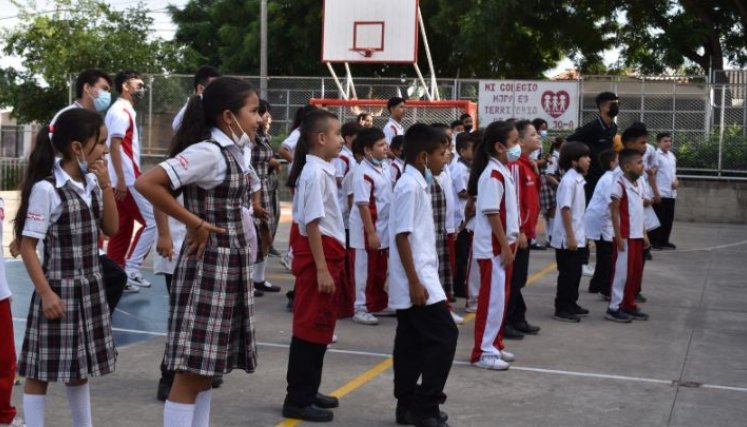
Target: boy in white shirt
[426,337]
[599,225]
[568,234]
[393,127]
[460,170]
[397,166]
[665,192]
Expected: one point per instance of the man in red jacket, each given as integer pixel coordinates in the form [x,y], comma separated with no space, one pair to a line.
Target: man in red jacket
[527,185]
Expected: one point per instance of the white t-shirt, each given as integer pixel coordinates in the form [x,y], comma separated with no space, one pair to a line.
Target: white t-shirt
[347,191]
[445,181]
[650,219]
[459,179]
[666,173]
[4,289]
[496,194]
[570,195]
[177,122]
[344,166]
[370,181]
[597,219]
[631,206]
[412,213]
[396,168]
[316,198]
[552,163]
[391,129]
[120,121]
[68,108]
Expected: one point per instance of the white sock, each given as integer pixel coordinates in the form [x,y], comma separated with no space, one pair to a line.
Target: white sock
[202,409]
[178,414]
[33,409]
[79,400]
[259,271]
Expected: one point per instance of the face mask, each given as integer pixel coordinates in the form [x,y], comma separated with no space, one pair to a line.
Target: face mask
[376,162]
[614,110]
[138,93]
[543,134]
[83,164]
[242,140]
[102,101]
[427,175]
[513,153]
[467,128]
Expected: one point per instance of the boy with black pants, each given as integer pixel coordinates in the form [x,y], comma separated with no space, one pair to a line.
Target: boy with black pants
[460,170]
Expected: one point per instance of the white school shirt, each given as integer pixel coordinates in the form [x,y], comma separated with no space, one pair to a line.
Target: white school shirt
[631,209]
[316,198]
[72,106]
[412,213]
[597,220]
[371,185]
[391,129]
[496,194]
[344,166]
[570,195]
[445,181]
[459,178]
[4,289]
[666,173]
[396,167]
[650,219]
[552,163]
[121,122]
[649,157]
[45,205]
[347,191]
[177,122]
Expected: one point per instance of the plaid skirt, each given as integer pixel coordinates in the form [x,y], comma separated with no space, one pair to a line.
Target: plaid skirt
[74,347]
[444,263]
[265,199]
[547,195]
[211,320]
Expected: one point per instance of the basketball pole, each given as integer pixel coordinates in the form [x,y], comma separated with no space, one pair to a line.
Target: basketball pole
[337,80]
[263,50]
[434,95]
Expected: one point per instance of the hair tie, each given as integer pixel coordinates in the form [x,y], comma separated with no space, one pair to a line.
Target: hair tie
[50,129]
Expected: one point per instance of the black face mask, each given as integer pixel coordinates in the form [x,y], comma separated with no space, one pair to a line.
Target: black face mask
[467,128]
[614,110]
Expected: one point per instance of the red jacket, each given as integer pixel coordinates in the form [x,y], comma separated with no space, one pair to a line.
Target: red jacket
[528,187]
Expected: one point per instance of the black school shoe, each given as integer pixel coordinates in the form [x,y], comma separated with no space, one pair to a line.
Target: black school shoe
[326,402]
[217,381]
[525,328]
[290,295]
[669,246]
[404,418]
[266,287]
[565,316]
[617,316]
[640,298]
[510,333]
[636,314]
[580,311]
[311,413]
[647,255]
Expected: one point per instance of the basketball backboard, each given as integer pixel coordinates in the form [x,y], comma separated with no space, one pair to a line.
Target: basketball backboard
[373,31]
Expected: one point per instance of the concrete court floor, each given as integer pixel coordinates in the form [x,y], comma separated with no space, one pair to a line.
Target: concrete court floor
[684,367]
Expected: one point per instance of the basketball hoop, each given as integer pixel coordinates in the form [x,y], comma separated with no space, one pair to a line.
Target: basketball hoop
[366,53]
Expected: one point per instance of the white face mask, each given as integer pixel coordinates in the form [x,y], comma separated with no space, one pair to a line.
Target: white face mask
[241,140]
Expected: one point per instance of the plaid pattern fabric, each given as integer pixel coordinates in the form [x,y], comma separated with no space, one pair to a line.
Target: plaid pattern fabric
[211,322]
[79,345]
[547,195]
[262,152]
[438,202]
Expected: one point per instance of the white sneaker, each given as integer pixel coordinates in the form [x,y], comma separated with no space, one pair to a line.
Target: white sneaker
[387,312]
[587,270]
[471,309]
[135,277]
[17,422]
[130,288]
[507,357]
[286,261]
[365,318]
[459,320]
[492,362]
[334,338]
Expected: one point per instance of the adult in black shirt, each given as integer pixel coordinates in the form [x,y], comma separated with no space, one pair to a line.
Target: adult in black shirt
[598,134]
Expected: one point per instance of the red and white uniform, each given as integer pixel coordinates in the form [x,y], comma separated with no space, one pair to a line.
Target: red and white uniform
[7,343]
[527,190]
[460,171]
[391,129]
[627,266]
[396,168]
[496,194]
[120,121]
[315,198]
[344,165]
[372,190]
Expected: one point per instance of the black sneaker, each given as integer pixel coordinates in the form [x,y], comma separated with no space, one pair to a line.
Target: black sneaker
[326,402]
[657,247]
[273,252]
[405,419]
[289,305]
[580,311]
[510,333]
[266,286]
[647,255]
[525,328]
[258,293]
[217,381]
[640,298]
[310,413]
[617,316]
[669,246]
[636,314]
[565,316]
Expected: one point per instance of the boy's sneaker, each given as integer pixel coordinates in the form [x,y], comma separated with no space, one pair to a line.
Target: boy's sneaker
[130,289]
[669,246]
[507,357]
[617,316]
[580,311]
[17,422]
[135,277]
[266,286]
[587,270]
[387,312]
[604,297]
[565,316]
[647,255]
[459,320]
[471,309]
[273,251]
[510,333]
[492,362]
[404,417]
[636,314]
[310,413]
[365,318]
[286,261]
[290,295]
[640,298]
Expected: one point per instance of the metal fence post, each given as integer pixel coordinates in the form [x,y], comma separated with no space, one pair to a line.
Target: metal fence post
[150,114]
[721,129]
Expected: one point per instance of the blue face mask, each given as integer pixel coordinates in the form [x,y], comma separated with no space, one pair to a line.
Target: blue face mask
[543,134]
[514,153]
[101,102]
[427,175]
[83,164]
[376,162]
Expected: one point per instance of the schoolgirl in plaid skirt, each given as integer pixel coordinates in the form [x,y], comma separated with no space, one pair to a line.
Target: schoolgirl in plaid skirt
[65,203]
[211,320]
[438,202]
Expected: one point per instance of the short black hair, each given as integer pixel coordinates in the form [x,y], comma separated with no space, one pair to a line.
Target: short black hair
[367,138]
[662,135]
[124,76]
[393,102]
[633,132]
[522,126]
[397,142]
[538,122]
[606,157]
[464,116]
[89,77]
[456,123]
[441,126]
[204,74]
[463,141]
[264,107]
[627,155]
[606,96]
[421,137]
[570,152]
[350,129]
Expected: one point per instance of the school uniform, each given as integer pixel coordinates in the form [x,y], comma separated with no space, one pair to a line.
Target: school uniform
[261,154]
[66,214]
[7,343]
[212,341]
[598,227]
[426,336]
[314,313]
[120,122]
[438,204]
[396,167]
[496,194]
[345,165]
[666,175]
[391,129]
[372,190]
[460,171]
[627,266]
[570,195]
[290,143]
[527,189]
[445,180]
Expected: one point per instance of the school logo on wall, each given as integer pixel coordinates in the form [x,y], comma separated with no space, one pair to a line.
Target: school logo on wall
[555,103]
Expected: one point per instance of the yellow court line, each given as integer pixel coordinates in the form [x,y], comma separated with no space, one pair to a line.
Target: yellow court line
[374,372]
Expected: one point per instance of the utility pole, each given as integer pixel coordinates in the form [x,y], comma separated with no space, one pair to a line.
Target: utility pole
[263,50]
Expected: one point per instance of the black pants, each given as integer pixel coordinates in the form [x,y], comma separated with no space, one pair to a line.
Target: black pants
[517,308]
[569,277]
[462,247]
[424,346]
[115,280]
[305,363]
[167,375]
[665,213]
[601,280]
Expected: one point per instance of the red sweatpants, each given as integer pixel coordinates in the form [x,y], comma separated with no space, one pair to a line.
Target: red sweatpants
[314,313]
[120,242]
[627,271]
[346,294]
[7,362]
[495,289]
[451,242]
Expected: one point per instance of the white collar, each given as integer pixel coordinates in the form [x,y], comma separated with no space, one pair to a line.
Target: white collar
[412,171]
[578,177]
[221,138]
[501,166]
[327,167]
[660,151]
[347,150]
[61,178]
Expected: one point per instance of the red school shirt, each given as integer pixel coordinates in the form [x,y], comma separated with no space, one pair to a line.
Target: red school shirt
[527,189]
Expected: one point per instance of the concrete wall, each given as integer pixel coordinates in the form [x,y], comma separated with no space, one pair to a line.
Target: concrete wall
[712,201]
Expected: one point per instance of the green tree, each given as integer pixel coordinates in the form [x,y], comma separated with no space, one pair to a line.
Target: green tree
[76,35]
